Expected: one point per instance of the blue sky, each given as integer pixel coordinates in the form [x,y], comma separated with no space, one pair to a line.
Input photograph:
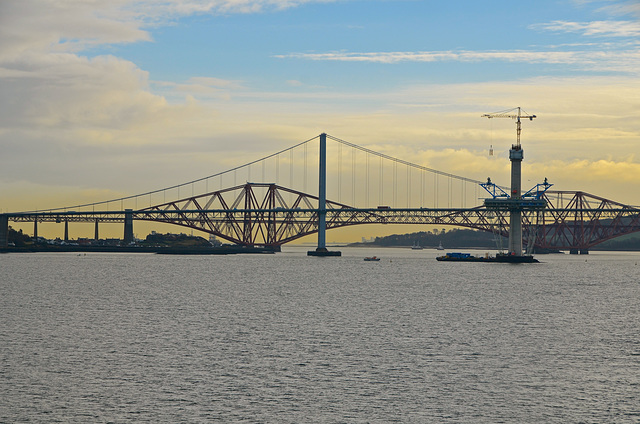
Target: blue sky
[172,90]
[268,48]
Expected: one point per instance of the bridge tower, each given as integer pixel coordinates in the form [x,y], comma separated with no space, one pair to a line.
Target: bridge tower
[516,154]
[128,226]
[322,250]
[514,200]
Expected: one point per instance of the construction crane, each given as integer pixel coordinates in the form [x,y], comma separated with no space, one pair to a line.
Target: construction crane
[510,114]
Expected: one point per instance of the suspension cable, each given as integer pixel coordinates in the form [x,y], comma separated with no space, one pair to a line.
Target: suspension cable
[165,189]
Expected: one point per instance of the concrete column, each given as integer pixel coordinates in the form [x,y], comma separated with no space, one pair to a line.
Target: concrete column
[4,230]
[95,237]
[35,230]
[128,226]
[66,231]
[516,154]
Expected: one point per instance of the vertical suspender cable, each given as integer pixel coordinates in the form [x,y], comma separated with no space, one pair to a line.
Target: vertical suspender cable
[408,184]
[395,183]
[381,176]
[291,174]
[366,182]
[339,172]
[304,174]
[435,186]
[353,177]
[421,187]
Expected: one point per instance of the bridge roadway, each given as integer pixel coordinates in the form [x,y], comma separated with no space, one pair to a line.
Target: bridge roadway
[551,228]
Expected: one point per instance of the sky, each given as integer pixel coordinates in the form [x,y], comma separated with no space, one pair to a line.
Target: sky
[101,99]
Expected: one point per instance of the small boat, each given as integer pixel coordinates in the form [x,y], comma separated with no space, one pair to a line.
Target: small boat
[440,247]
[371,258]
[416,246]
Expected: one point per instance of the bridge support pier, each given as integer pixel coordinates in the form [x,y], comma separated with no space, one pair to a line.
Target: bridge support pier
[35,230]
[128,226]
[66,231]
[95,237]
[576,251]
[516,155]
[4,230]
[321,250]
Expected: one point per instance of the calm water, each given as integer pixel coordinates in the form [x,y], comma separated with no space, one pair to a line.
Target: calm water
[287,339]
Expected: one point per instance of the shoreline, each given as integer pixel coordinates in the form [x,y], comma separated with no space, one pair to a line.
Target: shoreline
[223,250]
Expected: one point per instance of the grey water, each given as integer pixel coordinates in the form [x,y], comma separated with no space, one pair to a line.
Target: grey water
[117,338]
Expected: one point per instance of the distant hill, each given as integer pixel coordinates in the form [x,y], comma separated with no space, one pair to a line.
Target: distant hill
[628,242]
[455,238]
[466,238]
[175,240]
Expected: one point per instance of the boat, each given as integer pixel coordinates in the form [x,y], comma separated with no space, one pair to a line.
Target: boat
[416,246]
[372,259]
[500,257]
[440,246]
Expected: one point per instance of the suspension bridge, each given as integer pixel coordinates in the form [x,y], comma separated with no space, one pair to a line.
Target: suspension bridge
[297,192]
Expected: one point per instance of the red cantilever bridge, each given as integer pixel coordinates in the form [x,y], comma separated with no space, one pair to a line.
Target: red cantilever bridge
[270,215]
[256,214]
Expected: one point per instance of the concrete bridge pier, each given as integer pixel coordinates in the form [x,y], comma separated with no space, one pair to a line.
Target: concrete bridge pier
[576,251]
[35,230]
[96,232]
[516,154]
[4,230]
[66,231]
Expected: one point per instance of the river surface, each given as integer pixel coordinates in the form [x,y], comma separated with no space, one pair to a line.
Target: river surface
[286,338]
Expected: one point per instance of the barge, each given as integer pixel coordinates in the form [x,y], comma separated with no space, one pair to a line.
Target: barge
[500,257]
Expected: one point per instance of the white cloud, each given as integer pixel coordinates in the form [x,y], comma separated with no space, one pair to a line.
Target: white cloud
[63,26]
[623,8]
[601,60]
[594,28]
[459,56]
[167,10]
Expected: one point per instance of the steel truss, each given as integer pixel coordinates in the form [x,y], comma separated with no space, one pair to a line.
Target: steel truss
[261,214]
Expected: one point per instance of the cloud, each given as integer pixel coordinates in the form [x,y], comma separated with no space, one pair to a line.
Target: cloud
[160,11]
[63,89]
[37,26]
[459,56]
[204,87]
[594,28]
[623,8]
[626,61]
